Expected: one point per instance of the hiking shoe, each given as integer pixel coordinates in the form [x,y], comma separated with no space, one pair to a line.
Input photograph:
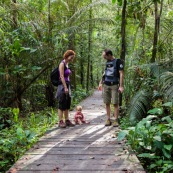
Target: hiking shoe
[108,122]
[69,123]
[62,124]
[115,124]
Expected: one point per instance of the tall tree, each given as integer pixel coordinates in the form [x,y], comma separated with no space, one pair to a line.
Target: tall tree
[89,64]
[123,41]
[156,29]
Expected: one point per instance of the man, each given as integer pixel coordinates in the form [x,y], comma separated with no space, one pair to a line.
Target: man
[113,83]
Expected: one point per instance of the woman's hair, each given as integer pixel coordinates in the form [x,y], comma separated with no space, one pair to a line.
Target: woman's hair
[79,108]
[68,53]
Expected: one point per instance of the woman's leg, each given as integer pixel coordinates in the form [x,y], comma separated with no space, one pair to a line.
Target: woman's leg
[66,114]
[61,122]
[67,121]
[60,114]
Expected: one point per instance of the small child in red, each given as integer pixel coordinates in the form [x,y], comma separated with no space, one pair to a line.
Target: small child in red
[79,117]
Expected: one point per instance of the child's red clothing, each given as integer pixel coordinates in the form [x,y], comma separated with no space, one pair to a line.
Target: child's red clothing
[79,117]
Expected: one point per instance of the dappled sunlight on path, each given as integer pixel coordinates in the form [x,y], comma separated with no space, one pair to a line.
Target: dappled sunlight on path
[83,148]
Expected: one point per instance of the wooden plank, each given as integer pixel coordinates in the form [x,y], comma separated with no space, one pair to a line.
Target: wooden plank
[78,166]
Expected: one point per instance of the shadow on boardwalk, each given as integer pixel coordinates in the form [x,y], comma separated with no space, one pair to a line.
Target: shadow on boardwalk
[80,149]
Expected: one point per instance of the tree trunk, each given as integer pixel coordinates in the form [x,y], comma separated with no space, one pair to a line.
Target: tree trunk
[123,42]
[49,24]
[18,85]
[155,40]
[89,65]
[49,90]
[14,18]
[71,43]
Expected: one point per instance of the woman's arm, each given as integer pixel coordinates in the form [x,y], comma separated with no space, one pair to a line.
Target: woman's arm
[61,71]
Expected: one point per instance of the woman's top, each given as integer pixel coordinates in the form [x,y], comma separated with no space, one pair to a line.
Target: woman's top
[67,73]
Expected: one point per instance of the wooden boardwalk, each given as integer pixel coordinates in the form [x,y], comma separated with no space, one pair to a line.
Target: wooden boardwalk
[89,148]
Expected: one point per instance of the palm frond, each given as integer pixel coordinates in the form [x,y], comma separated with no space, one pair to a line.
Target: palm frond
[166,80]
[139,106]
[77,28]
[156,68]
[78,13]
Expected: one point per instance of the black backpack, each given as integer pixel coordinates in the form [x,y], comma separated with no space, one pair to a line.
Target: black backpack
[55,76]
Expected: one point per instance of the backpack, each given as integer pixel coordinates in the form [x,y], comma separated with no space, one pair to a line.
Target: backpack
[112,72]
[55,75]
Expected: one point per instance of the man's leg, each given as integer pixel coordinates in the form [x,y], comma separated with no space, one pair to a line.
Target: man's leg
[116,111]
[115,103]
[108,111]
[107,101]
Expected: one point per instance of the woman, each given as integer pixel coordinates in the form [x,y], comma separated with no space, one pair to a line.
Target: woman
[64,92]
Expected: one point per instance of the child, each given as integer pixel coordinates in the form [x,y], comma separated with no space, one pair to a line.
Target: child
[79,117]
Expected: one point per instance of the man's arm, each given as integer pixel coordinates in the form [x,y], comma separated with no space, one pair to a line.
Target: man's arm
[101,82]
[121,88]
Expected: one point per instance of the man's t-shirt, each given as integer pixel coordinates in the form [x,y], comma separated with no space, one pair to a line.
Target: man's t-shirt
[112,75]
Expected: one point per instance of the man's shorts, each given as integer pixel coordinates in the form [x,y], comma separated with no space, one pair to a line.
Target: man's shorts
[110,94]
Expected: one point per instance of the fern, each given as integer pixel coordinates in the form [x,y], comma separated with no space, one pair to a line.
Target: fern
[166,80]
[139,106]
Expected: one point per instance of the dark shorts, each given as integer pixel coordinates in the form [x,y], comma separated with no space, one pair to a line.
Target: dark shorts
[64,100]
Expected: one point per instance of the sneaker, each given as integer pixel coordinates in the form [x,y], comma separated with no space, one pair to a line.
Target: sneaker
[62,124]
[69,123]
[108,122]
[115,124]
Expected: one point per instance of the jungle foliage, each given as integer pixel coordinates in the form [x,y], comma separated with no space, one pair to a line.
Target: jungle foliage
[35,34]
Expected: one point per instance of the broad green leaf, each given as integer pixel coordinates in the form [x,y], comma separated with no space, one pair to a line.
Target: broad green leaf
[19,131]
[113,1]
[152,166]
[147,155]
[168,104]
[157,111]
[122,134]
[167,118]
[166,153]
[168,147]
[158,138]
[27,132]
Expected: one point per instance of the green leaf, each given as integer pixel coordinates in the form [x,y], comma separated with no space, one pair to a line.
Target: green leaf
[147,155]
[157,111]
[19,132]
[24,48]
[36,68]
[16,114]
[168,147]
[152,166]
[113,1]
[168,104]
[33,50]
[167,118]
[166,153]
[157,138]
[120,2]
[122,134]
